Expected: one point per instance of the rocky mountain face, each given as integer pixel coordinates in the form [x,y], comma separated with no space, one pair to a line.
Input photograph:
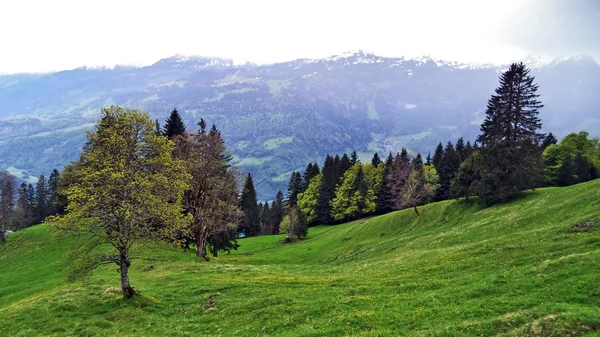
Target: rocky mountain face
[276,118]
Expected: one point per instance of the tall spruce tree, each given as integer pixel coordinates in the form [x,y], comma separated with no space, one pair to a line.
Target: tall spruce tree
[461,149]
[294,188]
[250,225]
[437,156]
[41,198]
[376,160]
[353,158]
[52,192]
[277,209]
[174,125]
[510,157]
[449,165]
[327,190]
[311,171]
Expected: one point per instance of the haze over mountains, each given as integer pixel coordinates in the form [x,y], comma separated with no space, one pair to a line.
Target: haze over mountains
[275,118]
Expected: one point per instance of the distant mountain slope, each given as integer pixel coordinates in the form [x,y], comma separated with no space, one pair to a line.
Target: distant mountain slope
[275,118]
[516,269]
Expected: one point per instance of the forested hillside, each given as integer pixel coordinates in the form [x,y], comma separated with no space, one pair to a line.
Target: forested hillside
[458,269]
[276,118]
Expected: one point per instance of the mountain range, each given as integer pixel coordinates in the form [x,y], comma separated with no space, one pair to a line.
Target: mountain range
[276,118]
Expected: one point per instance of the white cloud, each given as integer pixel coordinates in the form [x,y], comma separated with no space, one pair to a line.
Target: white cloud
[41,35]
[408,106]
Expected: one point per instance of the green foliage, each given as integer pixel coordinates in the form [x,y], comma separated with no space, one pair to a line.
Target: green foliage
[294,224]
[513,269]
[126,183]
[576,159]
[308,200]
[467,175]
[510,157]
[353,197]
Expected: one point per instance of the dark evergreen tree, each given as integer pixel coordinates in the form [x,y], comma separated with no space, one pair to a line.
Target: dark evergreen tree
[41,199]
[385,199]
[353,158]
[389,160]
[469,149]
[53,192]
[437,157]
[327,190]
[277,210]
[311,171]
[266,225]
[250,224]
[428,160]
[223,241]
[549,140]
[376,160]
[461,149]
[467,175]
[344,165]
[510,154]
[294,188]
[449,165]
[174,125]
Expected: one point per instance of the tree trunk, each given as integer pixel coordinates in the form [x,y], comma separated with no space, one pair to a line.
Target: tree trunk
[125,286]
[2,237]
[416,210]
[201,251]
[215,251]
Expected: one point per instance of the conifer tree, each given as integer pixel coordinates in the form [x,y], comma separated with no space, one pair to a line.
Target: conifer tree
[428,160]
[52,192]
[31,201]
[250,224]
[353,158]
[449,165]
[344,165]
[469,149]
[376,160]
[437,156]
[41,198]
[327,190]
[461,149]
[311,171]
[549,140]
[294,188]
[510,157]
[174,125]
[389,160]
[385,200]
[277,210]
[266,226]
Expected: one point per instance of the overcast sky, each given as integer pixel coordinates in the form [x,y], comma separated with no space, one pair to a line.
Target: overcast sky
[42,35]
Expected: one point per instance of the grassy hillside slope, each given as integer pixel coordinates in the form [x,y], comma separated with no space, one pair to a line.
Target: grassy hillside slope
[457,270]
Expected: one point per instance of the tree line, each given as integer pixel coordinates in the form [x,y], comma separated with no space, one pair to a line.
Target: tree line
[24,205]
[137,181]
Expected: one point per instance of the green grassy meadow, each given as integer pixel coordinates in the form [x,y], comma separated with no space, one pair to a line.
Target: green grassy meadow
[459,269]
